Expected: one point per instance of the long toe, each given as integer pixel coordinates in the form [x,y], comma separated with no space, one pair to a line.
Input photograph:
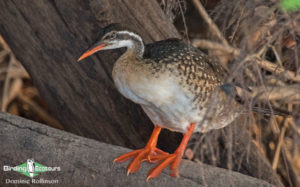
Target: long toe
[147,154]
[136,162]
[127,156]
[155,172]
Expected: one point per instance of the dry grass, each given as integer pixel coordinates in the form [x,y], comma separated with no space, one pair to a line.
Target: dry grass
[263,55]
[18,95]
[259,44]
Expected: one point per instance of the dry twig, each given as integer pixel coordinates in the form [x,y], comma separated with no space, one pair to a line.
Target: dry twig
[6,85]
[213,27]
[40,111]
[278,70]
[206,44]
[278,148]
[288,93]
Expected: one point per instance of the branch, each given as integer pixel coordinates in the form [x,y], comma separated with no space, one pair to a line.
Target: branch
[213,27]
[288,93]
[267,65]
[276,69]
[86,162]
[225,47]
[206,44]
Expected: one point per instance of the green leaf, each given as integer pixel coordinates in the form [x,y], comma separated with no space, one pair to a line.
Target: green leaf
[290,5]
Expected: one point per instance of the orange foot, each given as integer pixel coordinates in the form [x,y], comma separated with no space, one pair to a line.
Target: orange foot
[172,160]
[150,153]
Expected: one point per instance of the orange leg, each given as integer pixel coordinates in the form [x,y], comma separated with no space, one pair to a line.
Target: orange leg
[171,159]
[149,153]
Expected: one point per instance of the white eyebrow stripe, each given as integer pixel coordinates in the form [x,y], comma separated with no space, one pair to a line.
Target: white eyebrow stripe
[135,36]
[132,34]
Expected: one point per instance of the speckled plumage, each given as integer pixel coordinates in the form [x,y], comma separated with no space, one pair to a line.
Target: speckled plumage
[196,71]
[176,85]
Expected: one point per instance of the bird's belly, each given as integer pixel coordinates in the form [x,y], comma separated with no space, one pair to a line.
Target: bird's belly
[162,98]
[165,102]
[166,117]
[167,105]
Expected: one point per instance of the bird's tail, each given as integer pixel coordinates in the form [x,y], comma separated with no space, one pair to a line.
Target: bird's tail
[231,90]
[273,111]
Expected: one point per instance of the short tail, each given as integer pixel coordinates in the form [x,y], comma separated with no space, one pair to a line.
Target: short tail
[274,111]
[230,90]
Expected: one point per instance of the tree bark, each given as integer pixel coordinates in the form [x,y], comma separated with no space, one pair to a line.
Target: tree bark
[48,37]
[85,162]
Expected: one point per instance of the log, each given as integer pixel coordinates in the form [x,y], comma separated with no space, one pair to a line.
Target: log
[48,37]
[86,162]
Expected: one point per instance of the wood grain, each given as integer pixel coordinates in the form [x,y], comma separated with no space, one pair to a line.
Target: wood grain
[48,37]
[86,162]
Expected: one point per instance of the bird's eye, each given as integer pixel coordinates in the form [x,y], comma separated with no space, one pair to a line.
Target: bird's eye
[113,35]
[110,36]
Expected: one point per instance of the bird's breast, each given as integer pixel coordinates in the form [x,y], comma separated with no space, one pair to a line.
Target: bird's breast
[163,96]
[124,75]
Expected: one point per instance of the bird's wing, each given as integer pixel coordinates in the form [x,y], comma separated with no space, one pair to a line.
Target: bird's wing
[198,73]
[172,51]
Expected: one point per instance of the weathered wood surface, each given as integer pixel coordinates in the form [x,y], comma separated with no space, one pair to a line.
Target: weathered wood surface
[48,37]
[86,162]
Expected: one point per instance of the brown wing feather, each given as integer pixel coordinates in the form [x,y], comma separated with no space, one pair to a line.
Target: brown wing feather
[197,73]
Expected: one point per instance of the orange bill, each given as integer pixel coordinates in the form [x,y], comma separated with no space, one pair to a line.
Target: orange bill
[91,51]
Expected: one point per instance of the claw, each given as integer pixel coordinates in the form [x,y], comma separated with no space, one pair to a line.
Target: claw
[172,160]
[141,155]
[126,156]
[152,154]
[155,172]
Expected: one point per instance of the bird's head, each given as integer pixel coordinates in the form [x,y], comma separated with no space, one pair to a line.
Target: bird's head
[116,36]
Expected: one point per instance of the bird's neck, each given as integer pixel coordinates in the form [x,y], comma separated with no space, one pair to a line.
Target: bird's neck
[137,49]
[130,57]
[133,42]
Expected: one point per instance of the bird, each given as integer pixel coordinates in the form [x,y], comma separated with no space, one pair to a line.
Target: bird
[178,86]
